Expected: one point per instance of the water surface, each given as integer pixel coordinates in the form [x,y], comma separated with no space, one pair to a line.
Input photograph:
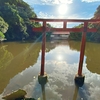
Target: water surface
[20,65]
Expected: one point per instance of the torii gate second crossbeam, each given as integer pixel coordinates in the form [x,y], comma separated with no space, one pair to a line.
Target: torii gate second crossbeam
[79,78]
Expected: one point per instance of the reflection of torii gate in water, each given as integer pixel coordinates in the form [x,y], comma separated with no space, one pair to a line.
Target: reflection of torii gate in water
[79,78]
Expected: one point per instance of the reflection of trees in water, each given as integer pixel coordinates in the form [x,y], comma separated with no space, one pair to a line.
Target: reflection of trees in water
[93,57]
[5,57]
[54,43]
[10,65]
[74,45]
[92,53]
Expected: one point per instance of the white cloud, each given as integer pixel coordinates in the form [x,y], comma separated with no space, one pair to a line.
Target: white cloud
[73,16]
[59,24]
[48,2]
[60,78]
[62,1]
[90,1]
[45,15]
[80,16]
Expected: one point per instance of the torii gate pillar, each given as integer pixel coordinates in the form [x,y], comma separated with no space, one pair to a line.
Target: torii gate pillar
[79,78]
[42,77]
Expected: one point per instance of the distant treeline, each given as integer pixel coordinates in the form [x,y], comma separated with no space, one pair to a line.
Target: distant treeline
[91,36]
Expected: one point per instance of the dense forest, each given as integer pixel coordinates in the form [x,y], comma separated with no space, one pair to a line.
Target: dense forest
[14,20]
[91,36]
[15,24]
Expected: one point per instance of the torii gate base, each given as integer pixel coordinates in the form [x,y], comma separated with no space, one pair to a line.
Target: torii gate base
[79,77]
[79,80]
[42,79]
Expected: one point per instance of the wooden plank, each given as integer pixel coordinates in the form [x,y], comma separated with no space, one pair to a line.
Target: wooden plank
[64,20]
[65,33]
[40,29]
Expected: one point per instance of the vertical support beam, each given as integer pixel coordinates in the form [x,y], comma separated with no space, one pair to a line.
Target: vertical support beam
[42,77]
[43,49]
[79,78]
[82,50]
[64,25]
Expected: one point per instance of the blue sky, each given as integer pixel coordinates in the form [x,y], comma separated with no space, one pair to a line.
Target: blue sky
[74,8]
[82,9]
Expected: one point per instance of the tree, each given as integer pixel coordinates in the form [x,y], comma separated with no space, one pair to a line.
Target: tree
[97,13]
[17,13]
[76,35]
[3,28]
[97,25]
[90,36]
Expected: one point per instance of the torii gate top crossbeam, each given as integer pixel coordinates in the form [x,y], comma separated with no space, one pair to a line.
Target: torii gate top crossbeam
[65,20]
[48,29]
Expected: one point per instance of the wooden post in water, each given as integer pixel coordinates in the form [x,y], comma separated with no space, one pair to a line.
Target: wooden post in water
[79,78]
[42,77]
[82,50]
[43,49]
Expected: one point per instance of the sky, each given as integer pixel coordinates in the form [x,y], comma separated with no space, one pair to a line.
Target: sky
[68,9]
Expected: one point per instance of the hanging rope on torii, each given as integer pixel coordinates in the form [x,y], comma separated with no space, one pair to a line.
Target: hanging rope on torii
[79,78]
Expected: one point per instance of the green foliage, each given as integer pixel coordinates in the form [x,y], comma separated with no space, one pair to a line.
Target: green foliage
[3,25]
[76,36]
[17,13]
[91,36]
[97,13]
[5,57]
[2,36]
[3,28]
[96,36]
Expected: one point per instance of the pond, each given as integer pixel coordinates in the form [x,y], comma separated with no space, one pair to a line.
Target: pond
[20,65]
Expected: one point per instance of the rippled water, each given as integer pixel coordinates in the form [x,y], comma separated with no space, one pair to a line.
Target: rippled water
[61,65]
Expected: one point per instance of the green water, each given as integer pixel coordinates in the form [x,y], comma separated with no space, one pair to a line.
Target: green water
[20,65]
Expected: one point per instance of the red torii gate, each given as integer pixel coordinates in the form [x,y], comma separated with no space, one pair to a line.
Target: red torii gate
[79,78]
